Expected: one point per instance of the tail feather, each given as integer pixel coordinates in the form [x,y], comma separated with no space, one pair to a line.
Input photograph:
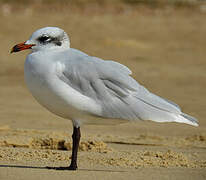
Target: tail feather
[185,118]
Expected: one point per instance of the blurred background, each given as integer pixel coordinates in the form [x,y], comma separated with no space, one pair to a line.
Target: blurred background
[161,41]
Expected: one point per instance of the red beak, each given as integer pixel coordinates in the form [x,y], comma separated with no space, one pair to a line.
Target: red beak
[21,46]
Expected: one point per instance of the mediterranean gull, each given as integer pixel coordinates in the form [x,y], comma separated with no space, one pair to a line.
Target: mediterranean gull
[87,89]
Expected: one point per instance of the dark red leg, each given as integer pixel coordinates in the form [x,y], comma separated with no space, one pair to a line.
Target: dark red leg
[75,145]
[76,138]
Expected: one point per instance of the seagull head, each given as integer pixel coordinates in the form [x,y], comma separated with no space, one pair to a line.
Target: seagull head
[48,38]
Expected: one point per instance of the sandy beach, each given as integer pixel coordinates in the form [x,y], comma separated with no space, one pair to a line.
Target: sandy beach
[166,52]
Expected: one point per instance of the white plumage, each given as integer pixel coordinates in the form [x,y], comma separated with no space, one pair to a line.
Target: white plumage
[88,89]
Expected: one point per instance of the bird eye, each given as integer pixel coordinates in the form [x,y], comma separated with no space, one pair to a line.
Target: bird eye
[43,38]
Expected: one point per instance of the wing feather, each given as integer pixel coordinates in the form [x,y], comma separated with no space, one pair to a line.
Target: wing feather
[109,84]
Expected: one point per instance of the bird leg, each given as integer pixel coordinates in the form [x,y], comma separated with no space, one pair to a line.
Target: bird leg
[75,145]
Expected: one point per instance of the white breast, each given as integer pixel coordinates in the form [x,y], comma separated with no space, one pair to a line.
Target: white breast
[41,77]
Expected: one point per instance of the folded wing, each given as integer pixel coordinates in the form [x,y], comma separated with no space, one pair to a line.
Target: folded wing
[120,96]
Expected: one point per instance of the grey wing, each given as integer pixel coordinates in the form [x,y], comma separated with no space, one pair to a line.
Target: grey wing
[109,84]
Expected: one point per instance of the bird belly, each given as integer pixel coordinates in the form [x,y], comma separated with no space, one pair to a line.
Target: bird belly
[59,98]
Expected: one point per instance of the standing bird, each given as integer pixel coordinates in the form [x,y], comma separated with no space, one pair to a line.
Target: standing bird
[87,89]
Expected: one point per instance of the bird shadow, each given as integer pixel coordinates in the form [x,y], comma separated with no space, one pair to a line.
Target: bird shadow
[55,168]
[135,144]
